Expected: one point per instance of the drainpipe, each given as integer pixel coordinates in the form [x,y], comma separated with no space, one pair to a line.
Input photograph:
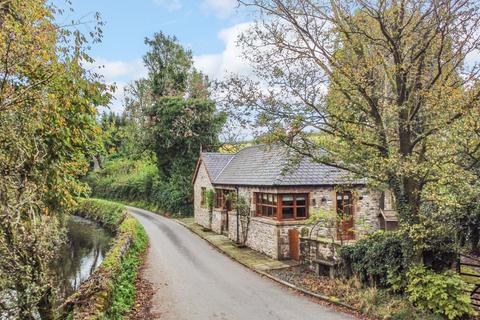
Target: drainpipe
[238,219]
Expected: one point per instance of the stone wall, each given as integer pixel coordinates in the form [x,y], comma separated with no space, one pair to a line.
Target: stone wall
[312,250]
[263,236]
[365,214]
[270,236]
[367,210]
[217,221]
[200,212]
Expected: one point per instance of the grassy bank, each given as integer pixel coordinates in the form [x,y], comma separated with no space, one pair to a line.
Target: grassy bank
[110,292]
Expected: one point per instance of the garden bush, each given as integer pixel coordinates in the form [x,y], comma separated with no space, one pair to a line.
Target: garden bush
[442,293]
[109,293]
[108,214]
[374,259]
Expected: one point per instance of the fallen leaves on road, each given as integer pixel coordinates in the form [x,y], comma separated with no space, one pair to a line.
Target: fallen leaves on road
[145,291]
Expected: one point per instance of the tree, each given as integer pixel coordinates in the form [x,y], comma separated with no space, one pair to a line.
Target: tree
[381,89]
[48,132]
[172,116]
[169,65]
[177,129]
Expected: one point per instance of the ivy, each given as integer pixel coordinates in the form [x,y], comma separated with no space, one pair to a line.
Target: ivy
[374,259]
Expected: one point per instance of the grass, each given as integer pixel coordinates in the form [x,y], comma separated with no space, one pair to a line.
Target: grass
[125,180]
[135,183]
[124,291]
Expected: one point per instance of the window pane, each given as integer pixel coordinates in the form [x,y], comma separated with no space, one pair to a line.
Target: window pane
[287,213]
[269,211]
[264,198]
[301,200]
[274,212]
[301,212]
[275,199]
[287,200]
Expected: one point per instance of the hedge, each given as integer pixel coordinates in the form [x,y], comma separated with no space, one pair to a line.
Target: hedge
[137,182]
[125,180]
[108,214]
[375,258]
[109,293]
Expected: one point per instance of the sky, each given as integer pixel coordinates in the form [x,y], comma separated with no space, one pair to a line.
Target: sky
[208,27]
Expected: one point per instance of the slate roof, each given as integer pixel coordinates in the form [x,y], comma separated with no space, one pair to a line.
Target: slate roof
[215,162]
[262,165]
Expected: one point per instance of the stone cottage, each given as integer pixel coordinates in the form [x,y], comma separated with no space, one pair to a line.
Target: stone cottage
[281,196]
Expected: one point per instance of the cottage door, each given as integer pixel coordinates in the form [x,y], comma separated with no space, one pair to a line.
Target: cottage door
[345,216]
[294,244]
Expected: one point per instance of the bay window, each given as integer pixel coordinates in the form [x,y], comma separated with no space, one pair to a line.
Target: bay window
[282,206]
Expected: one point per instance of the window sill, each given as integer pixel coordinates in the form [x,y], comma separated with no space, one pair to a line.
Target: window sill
[280,223]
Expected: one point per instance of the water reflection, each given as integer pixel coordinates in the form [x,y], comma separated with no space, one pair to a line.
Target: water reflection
[84,251]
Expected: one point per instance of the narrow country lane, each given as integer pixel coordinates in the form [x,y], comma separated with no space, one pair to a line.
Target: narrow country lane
[195,281]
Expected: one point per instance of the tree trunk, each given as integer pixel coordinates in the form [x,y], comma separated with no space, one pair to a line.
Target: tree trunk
[475,238]
[407,200]
[210,218]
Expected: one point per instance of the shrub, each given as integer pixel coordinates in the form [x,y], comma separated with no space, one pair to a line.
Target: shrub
[441,293]
[372,259]
[436,242]
[124,180]
[109,214]
[174,196]
[137,182]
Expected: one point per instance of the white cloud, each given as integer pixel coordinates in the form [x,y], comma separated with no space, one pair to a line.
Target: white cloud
[119,73]
[113,70]
[216,66]
[473,59]
[222,8]
[171,5]
[116,104]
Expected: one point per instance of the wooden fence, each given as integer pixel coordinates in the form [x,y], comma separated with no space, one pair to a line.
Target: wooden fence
[469,268]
